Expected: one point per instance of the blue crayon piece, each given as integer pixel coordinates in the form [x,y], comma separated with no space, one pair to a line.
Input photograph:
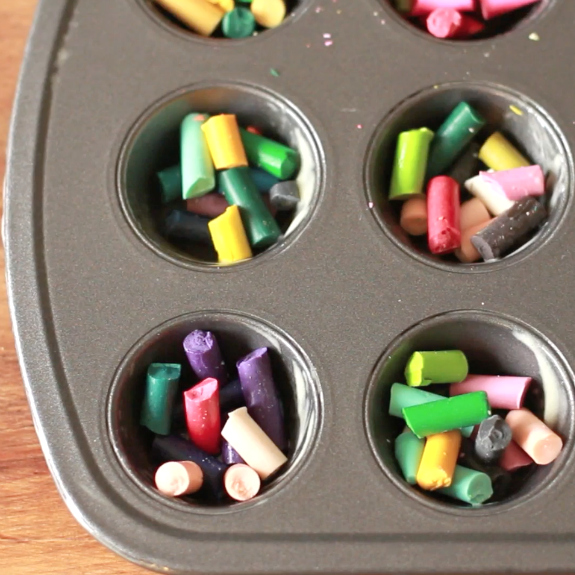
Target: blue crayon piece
[187,226]
[263,180]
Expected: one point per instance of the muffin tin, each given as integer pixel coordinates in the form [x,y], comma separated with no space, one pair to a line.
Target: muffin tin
[342,300]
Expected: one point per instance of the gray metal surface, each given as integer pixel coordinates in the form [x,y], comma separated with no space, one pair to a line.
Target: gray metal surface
[85,289]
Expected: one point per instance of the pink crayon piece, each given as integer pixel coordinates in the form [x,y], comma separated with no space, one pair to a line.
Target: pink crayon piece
[425,7]
[211,205]
[514,457]
[539,442]
[443,232]
[450,23]
[503,392]
[493,8]
[517,183]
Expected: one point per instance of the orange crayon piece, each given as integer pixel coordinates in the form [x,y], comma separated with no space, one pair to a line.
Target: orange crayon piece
[224,141]
[439,460]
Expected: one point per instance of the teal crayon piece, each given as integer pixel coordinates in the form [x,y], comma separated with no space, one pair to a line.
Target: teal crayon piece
[469,486]
[408,452]
[269,155]
[198,174]
[239,189]
[446,414]
[426,367]
[238,23]
[404,396]
[162,382]
[452,137]
[170,184]
[263,180]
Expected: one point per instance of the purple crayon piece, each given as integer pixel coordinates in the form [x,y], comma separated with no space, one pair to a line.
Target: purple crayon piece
[230,455]
[205,357]
[262,400]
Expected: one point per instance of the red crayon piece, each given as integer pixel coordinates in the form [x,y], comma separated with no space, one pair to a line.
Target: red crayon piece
[254,130]
[211,205]
[449,23]
[514,457]
[443,232]
[202,405]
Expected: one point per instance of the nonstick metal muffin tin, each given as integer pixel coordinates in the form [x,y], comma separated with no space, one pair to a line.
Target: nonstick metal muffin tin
[341,300]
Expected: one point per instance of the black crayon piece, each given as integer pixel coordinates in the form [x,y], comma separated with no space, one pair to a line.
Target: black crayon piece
[493,436]
[231,397]
[506,230]
[187,226]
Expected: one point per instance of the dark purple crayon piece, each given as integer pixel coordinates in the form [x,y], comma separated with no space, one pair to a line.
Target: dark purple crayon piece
[175,448]
[230,455]
[179,418]
[508,229]
[231,397]
[205,357]
[261,396]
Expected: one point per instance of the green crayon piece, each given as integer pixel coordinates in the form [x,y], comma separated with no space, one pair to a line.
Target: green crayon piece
[460,127]
[198,177]
[447,414]
[238,23]
[239,189]
[408,452]
[170,184]
[410,164]
[404,396]
[469,486]
[162,382]
[273,157]
[426,367]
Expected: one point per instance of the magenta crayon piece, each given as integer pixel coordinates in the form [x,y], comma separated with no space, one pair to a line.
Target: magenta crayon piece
[493,8]
[450,23]
[443,232]
[262,399]
[229,454]
[205,357]
[517,183]
[503,392]
[514,457]
[211,205]
[425,7]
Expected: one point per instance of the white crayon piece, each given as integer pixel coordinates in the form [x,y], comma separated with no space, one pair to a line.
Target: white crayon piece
[252,444]
[177,478]
[241,482]
[539,442]
[472,213]
[517,183]
[494,201]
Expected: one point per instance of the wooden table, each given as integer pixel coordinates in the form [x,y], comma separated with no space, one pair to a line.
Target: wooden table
[38,535]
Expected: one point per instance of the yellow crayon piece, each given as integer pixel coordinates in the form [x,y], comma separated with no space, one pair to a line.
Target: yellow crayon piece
[500,154]
[438,460]
[229,237]
[224,141]
[225,5]
[201,16]
[269,13]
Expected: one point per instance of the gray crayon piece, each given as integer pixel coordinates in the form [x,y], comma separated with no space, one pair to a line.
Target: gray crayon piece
[284,196]
[493,436]
[509,228]
[204,356]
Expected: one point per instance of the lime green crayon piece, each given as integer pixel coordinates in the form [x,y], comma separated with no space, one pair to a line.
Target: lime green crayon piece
[198,177]
[408,452]
[170,184]
[469,486]
[162,382]
[447,414]
[273,157]
[426,367]
[238,23]
[460,127]
[239,189]
[404,396]
[410,164]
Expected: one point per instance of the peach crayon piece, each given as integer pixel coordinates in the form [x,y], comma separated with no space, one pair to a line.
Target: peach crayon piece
[467,253]
[242,482]
[539,442]
[472,213]
[438,460]
[177,478]
[514,457]
[414,216]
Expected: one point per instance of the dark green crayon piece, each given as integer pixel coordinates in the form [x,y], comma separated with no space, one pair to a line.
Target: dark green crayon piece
[240,190]
[460,127]
[162,382]
[273,157]
[170,184]
[447,414]
[238,23]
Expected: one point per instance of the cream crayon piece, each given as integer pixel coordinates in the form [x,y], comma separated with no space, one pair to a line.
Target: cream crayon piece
[494,201]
